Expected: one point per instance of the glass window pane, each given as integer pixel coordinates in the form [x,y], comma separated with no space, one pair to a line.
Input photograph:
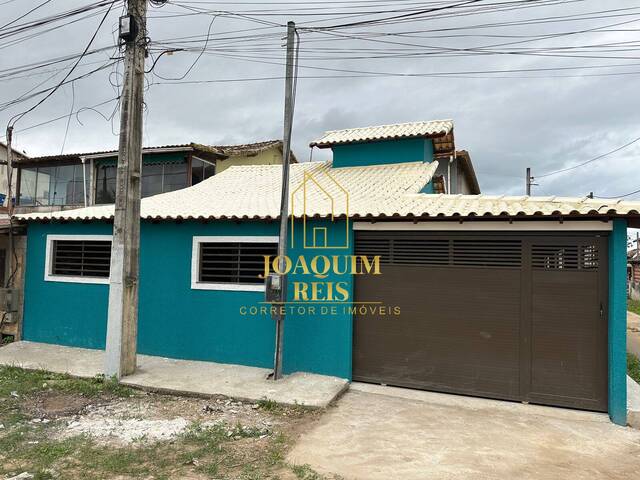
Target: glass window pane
[151,180]
[209,170]
[60,185]
[43,186]
[106,184]
[27,186]
[78,185]
[175,176]
[196,171]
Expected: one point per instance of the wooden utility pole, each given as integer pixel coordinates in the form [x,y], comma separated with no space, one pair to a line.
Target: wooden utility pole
[122,324]
[528,189]
[10,252]
[284,199]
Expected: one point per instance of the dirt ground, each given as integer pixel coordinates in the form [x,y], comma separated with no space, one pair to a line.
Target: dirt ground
[52,426]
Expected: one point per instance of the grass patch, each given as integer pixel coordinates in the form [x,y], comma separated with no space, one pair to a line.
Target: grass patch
[216,451]
[633,367]
[276,408]
[633,306]
[81,454]
[305,472]
[219,450]
[15,381]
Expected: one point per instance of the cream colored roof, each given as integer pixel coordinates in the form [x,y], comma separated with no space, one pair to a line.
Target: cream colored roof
[393,190]
[384,132]
[254,192]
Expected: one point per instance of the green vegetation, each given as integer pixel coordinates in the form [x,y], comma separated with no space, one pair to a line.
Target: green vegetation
[213,450]
[15,381]
[633,367]
[633,306]
[276,408]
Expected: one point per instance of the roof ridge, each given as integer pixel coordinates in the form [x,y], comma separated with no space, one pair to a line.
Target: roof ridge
[402,124]
[192,144]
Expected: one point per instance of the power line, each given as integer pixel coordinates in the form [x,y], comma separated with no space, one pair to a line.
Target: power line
[6,32]
[620,196]
[76,113]
[51,90]
[16,118]
[589,161]
[25,14]
[194,62]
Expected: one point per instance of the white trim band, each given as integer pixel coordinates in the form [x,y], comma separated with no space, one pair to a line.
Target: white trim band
[518,226]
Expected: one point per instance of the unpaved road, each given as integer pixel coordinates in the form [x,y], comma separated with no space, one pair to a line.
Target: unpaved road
[633,333]
[382,433]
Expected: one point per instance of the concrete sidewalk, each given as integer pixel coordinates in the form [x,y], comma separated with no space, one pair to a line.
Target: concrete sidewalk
[184,377]
[382,433]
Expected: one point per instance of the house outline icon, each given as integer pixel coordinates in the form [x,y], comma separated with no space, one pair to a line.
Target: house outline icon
[318,233]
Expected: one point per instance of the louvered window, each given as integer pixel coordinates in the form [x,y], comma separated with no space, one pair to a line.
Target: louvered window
[438,251]
[234,265]
[564,257]
[487,253]
[81,258]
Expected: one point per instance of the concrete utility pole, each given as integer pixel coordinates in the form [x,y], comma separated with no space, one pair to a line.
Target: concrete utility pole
[122,325]
[284,200]
[529,178]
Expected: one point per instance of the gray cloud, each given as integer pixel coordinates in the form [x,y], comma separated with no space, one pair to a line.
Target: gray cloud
[506,124]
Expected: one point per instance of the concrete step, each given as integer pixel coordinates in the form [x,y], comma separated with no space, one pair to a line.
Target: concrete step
[633,403]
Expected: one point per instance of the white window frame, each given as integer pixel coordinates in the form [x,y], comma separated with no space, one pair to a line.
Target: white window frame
[195,262]
[48,262]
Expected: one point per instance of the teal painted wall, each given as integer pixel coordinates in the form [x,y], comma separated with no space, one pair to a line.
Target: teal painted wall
[178,322]
[321,342]
[383,152]
[428,188]
[72,314]
[618,322]
[174,320]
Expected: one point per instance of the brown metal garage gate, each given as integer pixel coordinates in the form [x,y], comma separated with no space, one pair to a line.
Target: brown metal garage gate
[517,317]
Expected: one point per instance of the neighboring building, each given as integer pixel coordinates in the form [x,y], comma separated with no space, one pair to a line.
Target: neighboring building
[633,269]
[516,298]
[9,270]
[4,186]
[407,142]
[62,182]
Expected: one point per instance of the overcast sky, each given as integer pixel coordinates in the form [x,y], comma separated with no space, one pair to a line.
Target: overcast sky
[548,120]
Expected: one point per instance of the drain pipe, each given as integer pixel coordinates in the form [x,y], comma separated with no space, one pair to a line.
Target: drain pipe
[449,173]
[84,180]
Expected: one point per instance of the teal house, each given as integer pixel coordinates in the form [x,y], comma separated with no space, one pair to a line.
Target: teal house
[399,272]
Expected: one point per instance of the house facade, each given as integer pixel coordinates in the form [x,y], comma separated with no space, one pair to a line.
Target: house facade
[4,185]
[514,298]
[633,273]
[62,182]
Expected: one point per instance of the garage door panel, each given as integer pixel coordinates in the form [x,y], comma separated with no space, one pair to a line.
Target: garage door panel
[569,337]
[512,317]
[423,347]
